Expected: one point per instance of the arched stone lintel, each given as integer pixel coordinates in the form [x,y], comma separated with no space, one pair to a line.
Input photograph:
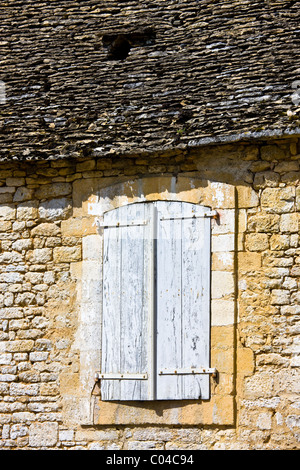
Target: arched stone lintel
[181,188]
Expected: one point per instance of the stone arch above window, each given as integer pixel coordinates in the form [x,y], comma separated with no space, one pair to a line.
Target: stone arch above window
[181,188]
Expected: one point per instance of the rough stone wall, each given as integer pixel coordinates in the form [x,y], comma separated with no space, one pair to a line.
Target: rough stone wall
[40,259]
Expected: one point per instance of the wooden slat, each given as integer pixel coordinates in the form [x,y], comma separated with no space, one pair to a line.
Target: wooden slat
[151,293]
[111,324]
[134,332]
[168,302]
[195,304]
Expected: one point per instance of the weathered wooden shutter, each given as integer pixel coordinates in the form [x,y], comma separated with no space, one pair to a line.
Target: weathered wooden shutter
[156,297]
[183,301]
[125,329]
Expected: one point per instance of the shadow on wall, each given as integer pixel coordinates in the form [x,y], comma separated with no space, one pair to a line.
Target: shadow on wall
[241,165]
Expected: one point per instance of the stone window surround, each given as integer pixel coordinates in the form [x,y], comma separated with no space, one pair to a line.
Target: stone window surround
[96,199]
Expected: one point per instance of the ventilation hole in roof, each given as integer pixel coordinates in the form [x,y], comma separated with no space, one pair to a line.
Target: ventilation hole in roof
[119,45]
[118,49]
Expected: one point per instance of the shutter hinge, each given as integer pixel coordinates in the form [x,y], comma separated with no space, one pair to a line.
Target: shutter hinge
[125,376]
[102,225]
[193,371]
[214,214]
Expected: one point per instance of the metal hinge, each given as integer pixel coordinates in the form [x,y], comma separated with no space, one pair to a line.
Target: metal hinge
[120,224]
[125,376]
[192,371]
[128,376]
[214,214]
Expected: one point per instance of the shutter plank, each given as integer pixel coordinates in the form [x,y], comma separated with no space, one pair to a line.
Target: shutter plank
[133,315]
[195,304]
[111,325]
[150,294]
[168,303]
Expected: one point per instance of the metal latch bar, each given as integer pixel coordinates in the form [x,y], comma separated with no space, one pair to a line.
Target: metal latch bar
[213,214]
[119,224]
[125,376]
[198,370]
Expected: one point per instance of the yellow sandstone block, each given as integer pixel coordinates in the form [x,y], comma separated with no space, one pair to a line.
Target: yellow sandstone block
[247,197]
[76,227]
[67,254]
[223,360]
[245,361]
[249,261]
[222,337]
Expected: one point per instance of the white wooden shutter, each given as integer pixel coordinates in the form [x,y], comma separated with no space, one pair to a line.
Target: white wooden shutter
[156,298]
[125,330]
[183,301]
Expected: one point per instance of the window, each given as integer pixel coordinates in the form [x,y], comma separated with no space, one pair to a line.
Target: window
[156,302]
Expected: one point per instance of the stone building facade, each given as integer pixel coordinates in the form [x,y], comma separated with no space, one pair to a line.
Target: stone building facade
[63,166]
[51,277]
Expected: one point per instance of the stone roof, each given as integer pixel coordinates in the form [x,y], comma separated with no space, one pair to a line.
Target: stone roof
[116,77]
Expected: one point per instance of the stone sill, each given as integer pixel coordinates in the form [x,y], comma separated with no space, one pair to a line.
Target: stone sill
[217,411]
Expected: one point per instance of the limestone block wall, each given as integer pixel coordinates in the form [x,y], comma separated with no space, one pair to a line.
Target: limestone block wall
[50,299]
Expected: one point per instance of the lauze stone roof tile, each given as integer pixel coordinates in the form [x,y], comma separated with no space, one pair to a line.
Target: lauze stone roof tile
[118,77]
